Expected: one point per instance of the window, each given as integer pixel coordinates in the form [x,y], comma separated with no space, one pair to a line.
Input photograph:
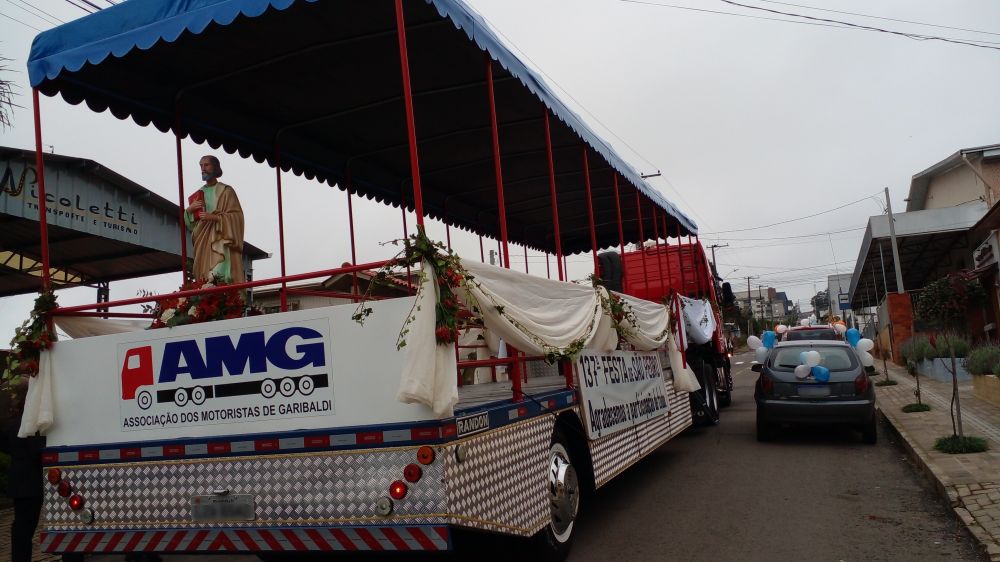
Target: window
[834,357]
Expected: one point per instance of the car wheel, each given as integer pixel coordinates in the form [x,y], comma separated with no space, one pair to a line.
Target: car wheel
[554,542]
[725,396]
[869,433]
[764,430]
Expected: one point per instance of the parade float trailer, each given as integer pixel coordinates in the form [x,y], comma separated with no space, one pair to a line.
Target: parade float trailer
[316,430]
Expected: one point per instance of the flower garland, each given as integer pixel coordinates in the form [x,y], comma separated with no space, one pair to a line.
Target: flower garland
[222,305]
[34,335]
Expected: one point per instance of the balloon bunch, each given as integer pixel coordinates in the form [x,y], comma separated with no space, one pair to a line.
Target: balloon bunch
[840,326]
[861,345]
[810,365]
[762,345]
[805,322]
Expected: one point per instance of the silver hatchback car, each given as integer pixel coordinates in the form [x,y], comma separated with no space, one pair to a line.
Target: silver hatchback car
[847,398]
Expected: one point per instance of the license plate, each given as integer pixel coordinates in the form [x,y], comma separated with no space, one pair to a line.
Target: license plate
[814,390]
[235,507]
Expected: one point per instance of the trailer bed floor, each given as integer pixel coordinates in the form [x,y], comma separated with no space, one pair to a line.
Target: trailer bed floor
[472,395]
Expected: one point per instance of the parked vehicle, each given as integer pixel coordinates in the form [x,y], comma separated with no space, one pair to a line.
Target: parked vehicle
[284,433]
[847,398]
[676,273]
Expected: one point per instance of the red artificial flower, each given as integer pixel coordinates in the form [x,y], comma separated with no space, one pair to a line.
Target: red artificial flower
[443,334]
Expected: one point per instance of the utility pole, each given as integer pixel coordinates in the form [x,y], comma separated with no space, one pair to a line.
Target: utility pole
[713,247]
[749,306]
[895,249]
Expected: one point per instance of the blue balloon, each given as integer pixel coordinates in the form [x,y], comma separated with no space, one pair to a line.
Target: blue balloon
[821,373]
[802,358]
[853,336]
[769,339]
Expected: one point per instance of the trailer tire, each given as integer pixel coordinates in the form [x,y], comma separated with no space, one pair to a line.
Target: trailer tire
[726,372]
[554,541]
[706,403]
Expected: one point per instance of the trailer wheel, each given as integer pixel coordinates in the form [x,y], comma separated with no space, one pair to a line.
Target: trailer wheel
[181,397]
[564,501]
[268,389]
[306,385]
[706,400]
[287,387]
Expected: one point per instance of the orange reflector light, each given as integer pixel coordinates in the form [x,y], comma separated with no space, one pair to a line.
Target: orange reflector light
[397,490]
[75,502]
[425,455]
[64,489]
[54,476]
[412,472]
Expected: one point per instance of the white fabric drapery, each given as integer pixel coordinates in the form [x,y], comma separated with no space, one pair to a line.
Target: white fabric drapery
[87,326]
[38,406]
[699,320]
[649,330]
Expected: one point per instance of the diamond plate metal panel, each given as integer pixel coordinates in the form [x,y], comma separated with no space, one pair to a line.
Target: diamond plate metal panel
[502,485]
[614,453]
[314,488]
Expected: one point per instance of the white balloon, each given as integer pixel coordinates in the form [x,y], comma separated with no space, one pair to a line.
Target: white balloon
[865,344]
[841,328]
[804,322]
[781,329]
[813,358]
[761,354]
[753,342]
[802,371]
[866,358]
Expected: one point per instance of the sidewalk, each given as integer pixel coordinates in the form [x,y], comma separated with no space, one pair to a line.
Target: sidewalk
[6,518]
[970,482]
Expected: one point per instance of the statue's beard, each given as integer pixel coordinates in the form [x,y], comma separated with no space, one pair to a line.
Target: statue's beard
[206,176]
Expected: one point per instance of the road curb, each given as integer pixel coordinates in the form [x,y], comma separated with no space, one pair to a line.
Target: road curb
[984,541]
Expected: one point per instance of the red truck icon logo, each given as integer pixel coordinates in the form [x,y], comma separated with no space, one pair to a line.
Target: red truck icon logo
[137,371]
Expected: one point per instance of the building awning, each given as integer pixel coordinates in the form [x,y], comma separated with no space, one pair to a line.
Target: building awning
[931,243]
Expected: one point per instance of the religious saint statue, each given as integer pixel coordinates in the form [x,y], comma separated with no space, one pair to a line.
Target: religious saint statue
[215,218]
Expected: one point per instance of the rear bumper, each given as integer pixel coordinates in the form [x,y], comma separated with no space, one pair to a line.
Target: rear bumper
[799,411]
[243,540]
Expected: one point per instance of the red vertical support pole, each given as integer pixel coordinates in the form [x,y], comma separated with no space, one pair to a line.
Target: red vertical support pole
[699,263]
[680,257]
[411,127]
[660,255]
[43,222]
[354,252]
[618,213]
[406,236]
[281,230]
[501,205]
[642,239]
[666,249]
[590,210]
[552,194]
[180,199]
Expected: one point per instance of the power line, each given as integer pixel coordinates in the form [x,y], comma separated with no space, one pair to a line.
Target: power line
[19,21]
[75,5]
[915,36]
[882,18]
[47,16]
[29,11]
[797,235]
[720,12]
[865,198]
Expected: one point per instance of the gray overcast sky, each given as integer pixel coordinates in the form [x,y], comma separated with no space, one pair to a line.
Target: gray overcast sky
[751,122]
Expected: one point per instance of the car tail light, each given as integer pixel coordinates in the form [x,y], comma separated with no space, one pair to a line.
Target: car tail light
[64,489]
[412,473]
[425,455]
[398,490]
[76,502]
[861,383]
[54,476]
[766,384]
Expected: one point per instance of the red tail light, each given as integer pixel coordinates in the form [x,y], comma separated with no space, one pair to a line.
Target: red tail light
[412,473]
[54,476]
[398,490]
[425,455]
[75,502]
[64,489]
[861,384]
[766,384]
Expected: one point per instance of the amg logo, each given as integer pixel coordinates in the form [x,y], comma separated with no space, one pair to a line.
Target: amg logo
[473,424]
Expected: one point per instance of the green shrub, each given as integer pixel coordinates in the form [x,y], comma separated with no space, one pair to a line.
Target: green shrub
[954,445]
[917,348]
[983,360]
[942,341]
[910,408]
[887,382]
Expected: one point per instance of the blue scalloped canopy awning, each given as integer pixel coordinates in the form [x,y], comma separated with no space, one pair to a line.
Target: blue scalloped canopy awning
[316,84]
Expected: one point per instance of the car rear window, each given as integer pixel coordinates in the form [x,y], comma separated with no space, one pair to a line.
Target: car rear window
[799,335]
[835,358]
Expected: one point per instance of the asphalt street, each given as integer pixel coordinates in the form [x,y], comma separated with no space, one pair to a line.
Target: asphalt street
[716,494]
